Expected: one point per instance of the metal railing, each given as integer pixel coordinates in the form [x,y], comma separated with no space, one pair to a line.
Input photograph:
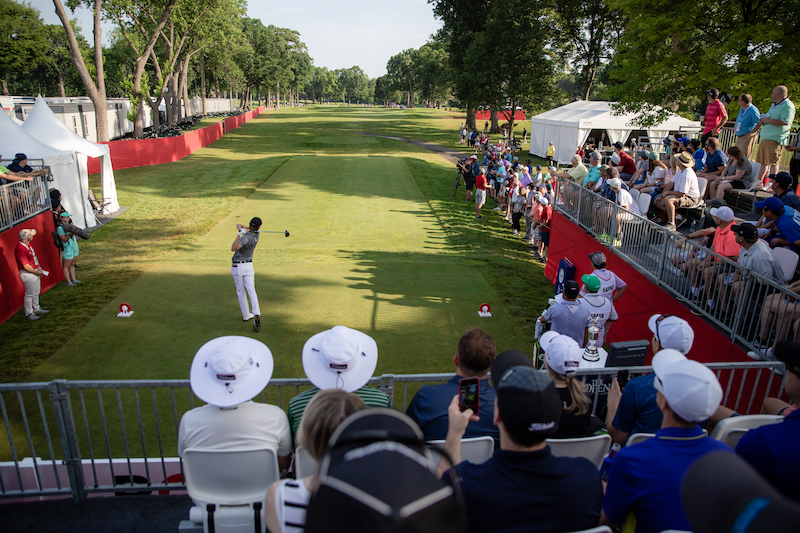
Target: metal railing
[21,200]
[727,138]
[749,308]
[74,438]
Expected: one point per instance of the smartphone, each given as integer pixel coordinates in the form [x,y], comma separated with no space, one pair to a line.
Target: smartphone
[468,389]
[622,378]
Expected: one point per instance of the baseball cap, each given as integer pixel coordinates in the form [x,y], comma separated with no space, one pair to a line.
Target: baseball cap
[723,213]
[691,389]
[340,358]
[652,155]
[64,214]
[592,282]
[597,258]
[571,289]
[538,167]
[617,145]
[20,157]
[528,403]
[473,156]
[26,233]
[713,93]
[551,168]
[672,332]
[508,359]
[772,204]
[746,230]
[788,352]
[784,179]
[255,222]
[615,183]
[684,140]
[562,353]
[715,202]
[615,159]
[642,153]
[543,200]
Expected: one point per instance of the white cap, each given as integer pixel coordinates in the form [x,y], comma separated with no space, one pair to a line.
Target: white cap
[615,159]
[691,389]
[724,213]
[562,353]
[672,332]
[340,358]
[473,156]
[615,183]
[543,200]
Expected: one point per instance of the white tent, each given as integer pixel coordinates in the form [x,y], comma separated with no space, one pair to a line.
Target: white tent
[63,167]
[43,124]
[568,127]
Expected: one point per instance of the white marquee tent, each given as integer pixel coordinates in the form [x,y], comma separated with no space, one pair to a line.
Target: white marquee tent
[43,124]
[63,168]
[568,127]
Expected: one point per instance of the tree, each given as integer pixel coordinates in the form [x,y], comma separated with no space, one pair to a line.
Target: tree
[669,57]
[353,83]
[401,70]
[23,39]
[432,72]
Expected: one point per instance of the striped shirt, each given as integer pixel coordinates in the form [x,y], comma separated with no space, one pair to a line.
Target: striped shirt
[297,405]
[291,502]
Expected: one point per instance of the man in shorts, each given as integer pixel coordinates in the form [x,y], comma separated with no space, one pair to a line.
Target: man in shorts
[775,126]
[480,192]
[682,191]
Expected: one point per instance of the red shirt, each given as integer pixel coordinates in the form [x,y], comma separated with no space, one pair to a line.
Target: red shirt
[25,256]
[627,163]
[545,217]
[716,115]
[480,182]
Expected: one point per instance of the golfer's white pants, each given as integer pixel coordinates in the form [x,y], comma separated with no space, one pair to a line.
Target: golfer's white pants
[33,285]
[244,277]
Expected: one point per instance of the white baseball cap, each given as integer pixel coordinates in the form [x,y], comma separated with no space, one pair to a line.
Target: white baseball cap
[340,358]
[562,353]
[691,389]
[615,183]
[672,332]
[724,213]
[615,159]
[543,200]
[230,370]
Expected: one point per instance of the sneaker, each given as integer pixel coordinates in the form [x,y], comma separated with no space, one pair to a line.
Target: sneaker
[70,284]
[478,216]
[256,324]
[41,311]
[669,226]
[32,316]
[249,318]
[75,281]
[496,209]
[758,356]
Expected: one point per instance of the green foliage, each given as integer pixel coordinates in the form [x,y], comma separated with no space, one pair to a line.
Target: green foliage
[23,38]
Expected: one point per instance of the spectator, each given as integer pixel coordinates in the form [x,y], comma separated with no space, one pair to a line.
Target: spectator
[725,244]
[687,261]
[562,355]
[746,128]
[684,190]
[227,373]
[600,308]
[635,410]
[716,115]
[473,358]
[626,165]
[518,209]
[794,162]
[287,499]
[772,449]
[569,317]
[69,250]
[523,487]
[543,226]
[338,358]
[782,189]
[612,286]
[699,155]
[551,152]
[780,312]
[645,479]
[624,200]
[776,125]
[531,204]
[737,174]
[578,171]
[716,160]
[9,175]
[655,177]
[30,273]
[642,167]
[593,174]
[786,221]
[755,254]
[480,192]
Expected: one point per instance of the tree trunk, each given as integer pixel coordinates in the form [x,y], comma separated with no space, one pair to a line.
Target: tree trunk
[410,94]
[471,117]
[495,125]
[277,95]
[176,99]
[203,81]
[216,87]
[5,86]
[187,112]
[61,85]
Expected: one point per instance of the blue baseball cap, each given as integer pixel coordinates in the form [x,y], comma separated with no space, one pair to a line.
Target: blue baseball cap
[538,167]
[773,204]
[684,140]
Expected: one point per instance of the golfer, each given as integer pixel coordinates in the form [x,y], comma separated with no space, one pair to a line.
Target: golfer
[244,277]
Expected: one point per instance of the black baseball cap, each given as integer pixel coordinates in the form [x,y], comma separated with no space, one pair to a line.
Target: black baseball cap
[571,289]
[788,352]
[506,360]
[784,179]
[617,145]
[713,93]
[528,403]
[746,230]
[255,222]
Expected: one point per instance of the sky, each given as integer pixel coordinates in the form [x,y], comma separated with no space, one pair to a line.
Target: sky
[339,34]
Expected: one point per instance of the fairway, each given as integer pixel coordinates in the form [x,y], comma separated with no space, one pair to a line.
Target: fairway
[368,249]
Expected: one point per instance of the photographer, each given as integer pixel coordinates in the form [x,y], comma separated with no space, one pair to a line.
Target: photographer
[467,168]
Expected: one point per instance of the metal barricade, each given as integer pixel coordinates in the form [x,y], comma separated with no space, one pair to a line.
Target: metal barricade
[21,200]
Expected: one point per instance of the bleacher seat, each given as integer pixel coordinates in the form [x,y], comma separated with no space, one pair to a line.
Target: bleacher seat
[639,437]
[228,488]
[635,194]
[737,198]
[787,259]
[476,450]
[696,212]
[304,464]
[593,448]
[732,429]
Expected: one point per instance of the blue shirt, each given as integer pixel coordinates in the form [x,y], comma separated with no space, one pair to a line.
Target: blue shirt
[788,224]
[646,478]
[772,450]
[524,492]
[428,409]
[746,120]
[638,411]
[716,160]
[699,160]
[476,168]
[790,198]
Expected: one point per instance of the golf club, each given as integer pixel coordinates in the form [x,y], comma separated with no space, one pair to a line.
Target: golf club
[286,232]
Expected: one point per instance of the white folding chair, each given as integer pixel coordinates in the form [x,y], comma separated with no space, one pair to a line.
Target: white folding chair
[787,259]
[732,429]
[644,203]
[229,487]
[476,450]
[593,448]
[304,464]
[638,437]
[635,195]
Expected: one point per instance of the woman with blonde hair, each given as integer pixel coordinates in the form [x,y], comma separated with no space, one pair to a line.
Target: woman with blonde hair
[562,357]
[287,499]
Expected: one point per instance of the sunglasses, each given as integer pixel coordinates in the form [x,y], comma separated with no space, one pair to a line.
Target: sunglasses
[658,322]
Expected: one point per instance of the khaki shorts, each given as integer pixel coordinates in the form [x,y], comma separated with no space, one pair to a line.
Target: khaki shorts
[480,196]
[686,201]
[746,145]
[769,152]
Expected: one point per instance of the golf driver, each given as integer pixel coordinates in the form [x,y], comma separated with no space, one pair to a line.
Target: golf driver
[286,232]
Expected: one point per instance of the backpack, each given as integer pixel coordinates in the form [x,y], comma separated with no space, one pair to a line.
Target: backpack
[57,239]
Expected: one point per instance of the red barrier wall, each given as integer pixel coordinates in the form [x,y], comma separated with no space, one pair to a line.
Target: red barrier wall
[487,115]
[642,298]
[11,289]
[145,152]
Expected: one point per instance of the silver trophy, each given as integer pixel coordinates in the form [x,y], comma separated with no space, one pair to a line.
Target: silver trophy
[591,353]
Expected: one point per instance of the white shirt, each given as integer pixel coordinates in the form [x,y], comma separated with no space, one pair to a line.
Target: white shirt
[248,425]
[624,199]
[609,282]
[686,182]
[602,309]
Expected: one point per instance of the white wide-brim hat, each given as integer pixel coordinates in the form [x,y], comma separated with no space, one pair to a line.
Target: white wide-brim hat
[340,358]
[230,370]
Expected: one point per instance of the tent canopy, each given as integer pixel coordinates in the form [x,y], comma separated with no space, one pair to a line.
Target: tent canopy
[568,127]
[43,124]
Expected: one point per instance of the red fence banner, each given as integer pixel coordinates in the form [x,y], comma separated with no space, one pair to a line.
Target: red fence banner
[11,290]
[501,116]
